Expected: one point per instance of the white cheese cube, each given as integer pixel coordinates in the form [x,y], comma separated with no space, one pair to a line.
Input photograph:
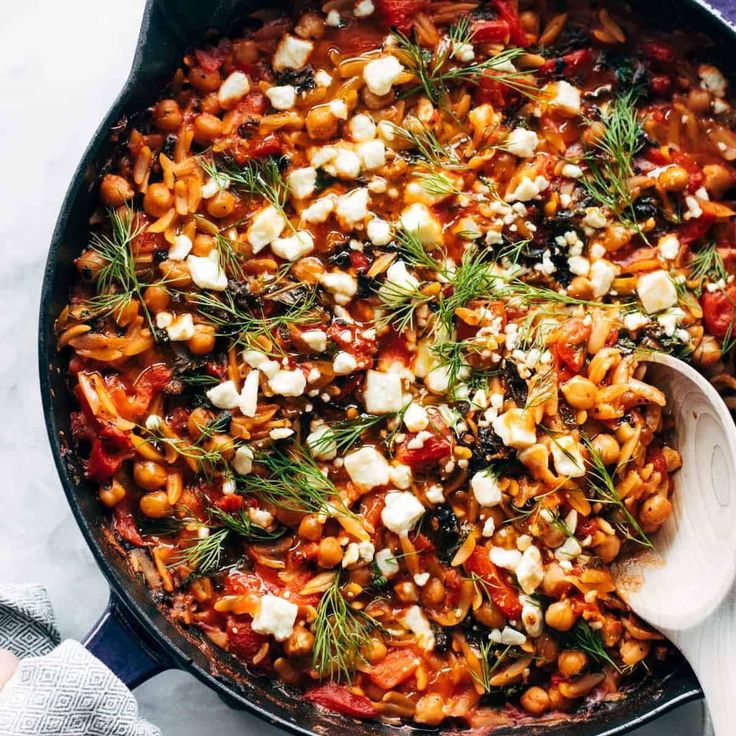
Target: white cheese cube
[530,570]
[516,429]
[400,476]
[342,285]
[569,550]
[347,164]
[362,128]
[508,559]
[401,512]
[419,220]
[224,396]
[352,207]
[363,8]
[602,274]
[712,80]
[322,78]
[288,383]
[339,108]
[267,225]
[319,210]
[668,246]
[321,443]
[249,394]
[302,182]
[315,339]
[579,265]
[333,19]
[180,249]
[235,87]
[485,489]
[378,231]
[417,621]
[382,392]
[344,363]
[291,53]
[372,154]
[489,527]
[527,189]
[656,291]
[282,97]
[243,460]
[567,457]
[367,468]
[181,328]
[507,637]
[566,97]
[294,247]
[463,52]
[276,616]
[435,494]
[206,272]
[571,171]
[416,418]
[387,563]
[522,143]
[380,74]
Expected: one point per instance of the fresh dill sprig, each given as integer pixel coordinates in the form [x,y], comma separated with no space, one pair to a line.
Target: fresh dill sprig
[343,435]
[241,524]
[117,281]
[233,320]
[490,661]
[514,288]
[437,184]
[294,482]
[434,153]
[435,72]
[583,637]
[452,356]
[610,161]
[341,633]
[414,254]
[542,388]
[399,304]
[707,265]
[205,555]
[604,491]
[511,251]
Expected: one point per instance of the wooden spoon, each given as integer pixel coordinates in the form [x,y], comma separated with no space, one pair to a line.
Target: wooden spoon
[685,587]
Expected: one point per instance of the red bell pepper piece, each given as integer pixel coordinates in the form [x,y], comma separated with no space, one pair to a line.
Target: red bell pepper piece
[398,666]
[340,700]
[503,595]
[109,448]
[399,14]
[491,31]
[508,10]
[719,312]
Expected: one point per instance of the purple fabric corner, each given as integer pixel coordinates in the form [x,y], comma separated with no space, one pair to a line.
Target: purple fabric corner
[727,7]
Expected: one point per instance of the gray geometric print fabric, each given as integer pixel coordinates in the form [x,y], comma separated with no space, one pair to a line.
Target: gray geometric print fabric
[57,690]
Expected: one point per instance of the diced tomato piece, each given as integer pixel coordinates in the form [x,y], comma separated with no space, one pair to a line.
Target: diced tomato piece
[571,344]
[399,14]
[399,665]
[110,448]
[693,168]
[212,58]
[503,595]
[147,242]
[660,84]
[243,642]
[149,383]
[719,312]
[357,38]
[340,700]
[124,523]
[656,457]
[658,51]
[79,426]
[230,503]
[489,90]
[434,450]
[359,261]
[178,419]
[509,11]
[568,64]
[491,31]
[587,526]
[256,103]
[695,229]
[352,339]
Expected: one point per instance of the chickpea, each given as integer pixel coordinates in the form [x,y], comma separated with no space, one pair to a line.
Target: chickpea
[433,592]
[125,314]
[655,511]
[310,25]
[571,662]
[198,420]
[558,701]
[375,651]
[203,81]
[114,190]
[156,298]
[321,123]
[611,631]
[608,549]
[175,273]
[209,104]
[155,505]
[490,616]
[560,616]
[286,671]
[580,392]
[699,100]
[708,352]
[300,642]
[158,200]
[207,127]
[430,709]
[406,592]
[535,701]
[222,444]
[377,102]
[718,180]
[221,205]
[167,116]
[554,584]
[149,475]
[203,244]
[245,52]
[310,527]
[547,649]
[203,340]
[89,264]
[530,22]
[112,495]
[581,288]
[607,446]
[673,179]
[633,651]
[329,553]
[594,134]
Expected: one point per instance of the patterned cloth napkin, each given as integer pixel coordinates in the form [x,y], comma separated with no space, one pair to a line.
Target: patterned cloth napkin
[59,689]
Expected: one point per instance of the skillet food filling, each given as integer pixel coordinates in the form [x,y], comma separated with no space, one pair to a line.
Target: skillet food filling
[357,344]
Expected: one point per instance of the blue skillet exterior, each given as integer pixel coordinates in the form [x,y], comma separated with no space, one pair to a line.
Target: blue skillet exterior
[134,636]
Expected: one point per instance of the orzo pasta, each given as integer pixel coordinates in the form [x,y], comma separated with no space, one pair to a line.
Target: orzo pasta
[357,343]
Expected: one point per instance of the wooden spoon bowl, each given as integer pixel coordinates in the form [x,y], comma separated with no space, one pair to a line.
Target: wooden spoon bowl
[685,587]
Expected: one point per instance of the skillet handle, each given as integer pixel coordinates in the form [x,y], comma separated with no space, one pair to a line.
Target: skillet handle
[114,642]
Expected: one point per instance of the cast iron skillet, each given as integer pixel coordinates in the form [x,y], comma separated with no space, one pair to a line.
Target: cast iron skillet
[133,637]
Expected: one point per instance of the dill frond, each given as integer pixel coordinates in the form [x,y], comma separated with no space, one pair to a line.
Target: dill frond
[490,661]
[399,305]
[346,433]
[414,254]
[341,633]
[587,640]
[707,265]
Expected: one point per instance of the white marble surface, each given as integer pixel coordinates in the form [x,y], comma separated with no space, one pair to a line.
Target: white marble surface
[61,65]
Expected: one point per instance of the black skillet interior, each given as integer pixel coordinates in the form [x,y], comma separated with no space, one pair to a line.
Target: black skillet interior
[169,28]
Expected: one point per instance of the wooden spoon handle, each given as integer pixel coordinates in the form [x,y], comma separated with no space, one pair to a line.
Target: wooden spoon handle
[711,651]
